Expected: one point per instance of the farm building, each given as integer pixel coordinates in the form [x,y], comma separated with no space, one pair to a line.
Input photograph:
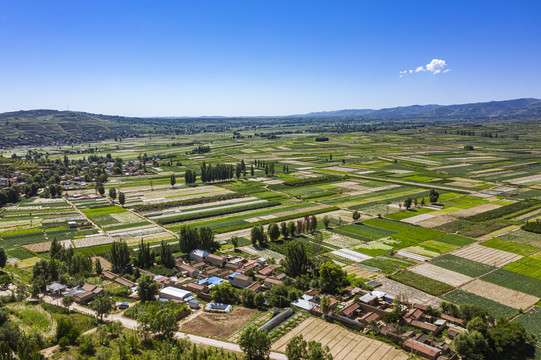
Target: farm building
[215,260]
[173,293]
[270,282]
[218,307]
[198,255]
[238,280]
[187,270]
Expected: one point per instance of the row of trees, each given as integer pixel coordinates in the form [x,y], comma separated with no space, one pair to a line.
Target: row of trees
[287,230]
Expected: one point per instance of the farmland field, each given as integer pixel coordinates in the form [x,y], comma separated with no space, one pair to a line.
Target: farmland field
[506,296]
[420,282]
[494,308]
[510,246]
[516,281]
[343,344]
[462,265]
[531,320]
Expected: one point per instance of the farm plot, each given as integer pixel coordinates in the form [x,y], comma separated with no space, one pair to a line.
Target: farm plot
[474,210]
[486,255]
[341,241]
[453,239]
[396,288]
[515,281]
[531,320]
[452,278]
[387,264]
[510,246]
[529,266]
[92,241]
[375,248]
[343,344]
[217,325]
[367,231]
[494,308]
[431,248]
[351,255]
[525,237]
[436,221]
[421,282]
[359,272]
[508,297]
[462,265]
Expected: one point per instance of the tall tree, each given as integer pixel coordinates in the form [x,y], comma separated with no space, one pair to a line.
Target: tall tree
[166,255]
[255,343]
[102,304]
[296,261]
[3,257]
[121,198]
[273,231]
[332,277]
[120,254]
[173,180]
[112,193]
[298,349]
[433,196]
[147,289]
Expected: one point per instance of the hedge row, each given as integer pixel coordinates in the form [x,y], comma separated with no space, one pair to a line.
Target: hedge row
[312,181]
[187,202]
[218,212]
[276,220]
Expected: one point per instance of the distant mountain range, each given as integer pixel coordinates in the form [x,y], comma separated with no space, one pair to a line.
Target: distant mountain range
[45,127]
[522,108]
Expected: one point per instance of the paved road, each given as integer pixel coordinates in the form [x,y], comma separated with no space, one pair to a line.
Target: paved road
[132,324]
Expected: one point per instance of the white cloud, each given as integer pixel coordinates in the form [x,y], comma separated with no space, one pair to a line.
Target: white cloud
[436,66]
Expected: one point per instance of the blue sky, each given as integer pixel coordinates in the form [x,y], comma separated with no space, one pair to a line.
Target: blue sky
[166,58]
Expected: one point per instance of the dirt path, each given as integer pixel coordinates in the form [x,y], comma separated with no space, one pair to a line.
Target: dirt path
[132,324]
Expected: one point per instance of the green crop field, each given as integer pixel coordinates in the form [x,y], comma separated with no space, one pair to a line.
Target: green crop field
[531,320]
[462,265]
[387,264]
[529,266]
[510,246]
[454,239]
[495,309]
[420,282]
[515,281]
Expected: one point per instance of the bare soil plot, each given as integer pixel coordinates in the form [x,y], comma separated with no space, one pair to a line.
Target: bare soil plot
[418,218]
[342,343]
[512,298]
[436,221]
[486,255]
[39,247]
[440,274]
[360,273]
[474,210]
[395,288]
[218,325]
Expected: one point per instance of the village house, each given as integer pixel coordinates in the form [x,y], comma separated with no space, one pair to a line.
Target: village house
[239,280]
[215,260]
